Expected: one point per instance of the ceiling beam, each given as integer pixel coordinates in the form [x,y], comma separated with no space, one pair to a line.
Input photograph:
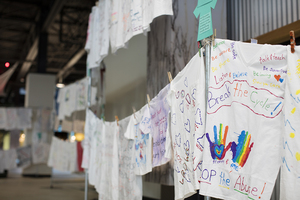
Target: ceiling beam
[70,64]
[32,53]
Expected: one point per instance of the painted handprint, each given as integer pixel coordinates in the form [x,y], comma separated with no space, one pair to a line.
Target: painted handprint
[217,148]
[241,150]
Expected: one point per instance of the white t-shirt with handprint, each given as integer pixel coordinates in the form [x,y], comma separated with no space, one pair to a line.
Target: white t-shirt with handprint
[244,120]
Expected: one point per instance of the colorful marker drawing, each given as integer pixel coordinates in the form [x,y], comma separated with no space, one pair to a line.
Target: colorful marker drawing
[217,148]
[241,150]
[286,145]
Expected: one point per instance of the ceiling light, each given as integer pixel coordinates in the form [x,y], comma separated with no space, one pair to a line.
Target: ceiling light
[60,85]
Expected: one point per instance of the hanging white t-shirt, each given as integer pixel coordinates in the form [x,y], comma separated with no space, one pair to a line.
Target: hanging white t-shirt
[63,155]
[24,156]
[142,143]
[24,118]
[3,118]
[96,141]
[100,35]
[40,152]
[155,122]
[136,20]
[187,102]
[108,185]
[123,24]
[290,159]
[114,23]
[81,94]
[9,158]
[155,8]
[244,120]
[130,185]
[89,129]
[66,99]
[12,117]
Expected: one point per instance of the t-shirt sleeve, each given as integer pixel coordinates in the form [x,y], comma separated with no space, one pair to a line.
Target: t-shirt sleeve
[129,134]
[145,124]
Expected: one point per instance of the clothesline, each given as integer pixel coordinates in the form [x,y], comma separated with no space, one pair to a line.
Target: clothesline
[247,91]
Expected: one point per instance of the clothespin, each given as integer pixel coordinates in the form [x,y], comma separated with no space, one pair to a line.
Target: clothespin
[214,37]
[199,47]
[148,98]
[292,41]
[170,76]
[117,119]
[133,109]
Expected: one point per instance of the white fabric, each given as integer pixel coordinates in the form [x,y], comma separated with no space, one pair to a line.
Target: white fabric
[115,22]
[24,156]
[156,119]
[100,33]
[123,24]
[12,118]
[89,129]
[108,185]
[186,98]
[96,141]
[290,165]
[130,185]
[24,118]
[3,118]
[63,155]
[244,120]
[81,94]
[142,143]
[40,153]
[135,20]
[155,8]
[41,126]
[88,42]
[9,159]
[67,101]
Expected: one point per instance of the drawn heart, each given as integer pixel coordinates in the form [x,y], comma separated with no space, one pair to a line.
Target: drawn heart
[219,150]
[178,140]
[193,95]
[281,80]
[298,156]
[198,117]
[187,126]
[186,82]
[277,77]
[174,119]
[181,107]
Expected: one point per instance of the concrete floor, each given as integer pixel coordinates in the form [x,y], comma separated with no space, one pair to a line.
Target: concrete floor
[65,187]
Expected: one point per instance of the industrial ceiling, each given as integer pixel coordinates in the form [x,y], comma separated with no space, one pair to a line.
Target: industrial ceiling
[43,36]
